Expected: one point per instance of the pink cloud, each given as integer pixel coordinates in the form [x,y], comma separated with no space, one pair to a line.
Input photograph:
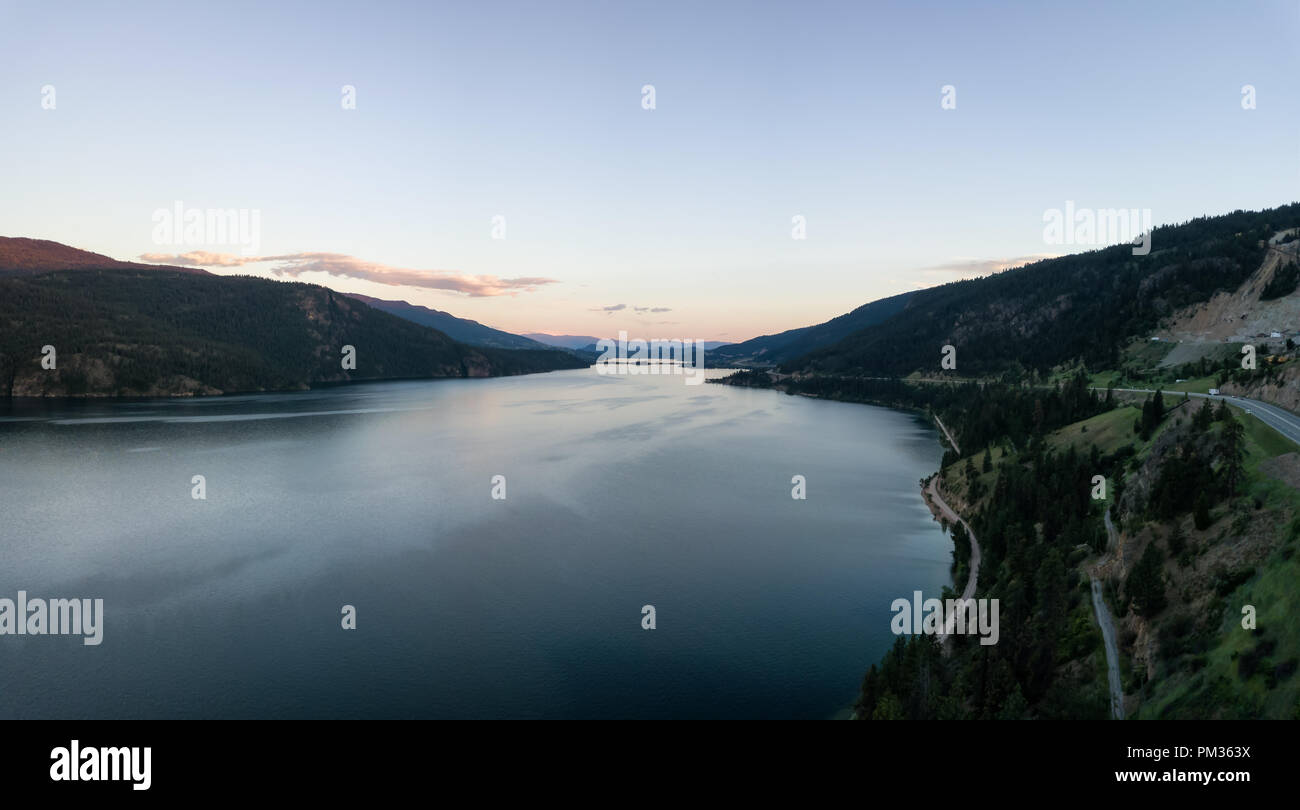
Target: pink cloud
[293,265]
[974,268]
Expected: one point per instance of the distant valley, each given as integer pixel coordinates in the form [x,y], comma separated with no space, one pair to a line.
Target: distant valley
[461,329]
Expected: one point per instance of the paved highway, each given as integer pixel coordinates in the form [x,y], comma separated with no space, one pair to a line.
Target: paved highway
[1284,422]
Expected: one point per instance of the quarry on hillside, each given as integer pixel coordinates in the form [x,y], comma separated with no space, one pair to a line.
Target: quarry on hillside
[1240,316]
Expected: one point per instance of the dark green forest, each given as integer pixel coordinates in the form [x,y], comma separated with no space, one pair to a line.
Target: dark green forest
[1030,534]
[131,332]
[1283,282]
[1080,307]
[1037,526]
[982,413]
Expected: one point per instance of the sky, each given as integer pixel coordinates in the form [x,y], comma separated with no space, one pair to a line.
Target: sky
[529,121]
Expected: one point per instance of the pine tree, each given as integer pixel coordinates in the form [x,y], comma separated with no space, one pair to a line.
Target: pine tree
[1201,512]
[1145,585]
[1234,452]
[1203,417]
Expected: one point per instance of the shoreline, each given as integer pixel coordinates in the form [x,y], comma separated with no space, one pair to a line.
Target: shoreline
[925,496]
[324,385]
[929,495]
[941,510]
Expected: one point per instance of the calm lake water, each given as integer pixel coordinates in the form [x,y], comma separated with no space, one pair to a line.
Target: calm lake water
[621,491]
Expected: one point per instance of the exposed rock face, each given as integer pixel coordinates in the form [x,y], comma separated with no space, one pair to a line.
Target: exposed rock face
[1240,537]
[476,365]
[1282,390]
[1240,316]
[80,376]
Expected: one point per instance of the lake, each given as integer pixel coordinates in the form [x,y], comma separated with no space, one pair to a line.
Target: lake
[620,491]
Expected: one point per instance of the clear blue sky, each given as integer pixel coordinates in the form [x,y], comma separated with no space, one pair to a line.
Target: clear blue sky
[533,111]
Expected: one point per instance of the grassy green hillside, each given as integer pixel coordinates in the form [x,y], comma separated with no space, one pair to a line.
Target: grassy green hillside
[1220,668]
[1208,507]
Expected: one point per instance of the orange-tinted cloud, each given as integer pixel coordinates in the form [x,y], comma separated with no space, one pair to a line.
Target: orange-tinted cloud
[974,268]
[293,265]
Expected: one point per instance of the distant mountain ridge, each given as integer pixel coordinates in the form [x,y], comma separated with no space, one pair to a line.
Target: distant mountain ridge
[1083,306]
[21,255]
[128,329]
[774,350]
[563,341]
[587,344]
[461,329]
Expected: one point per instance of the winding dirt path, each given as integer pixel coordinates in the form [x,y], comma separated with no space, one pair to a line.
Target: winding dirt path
[951,440]
[933,492]
[1108,627]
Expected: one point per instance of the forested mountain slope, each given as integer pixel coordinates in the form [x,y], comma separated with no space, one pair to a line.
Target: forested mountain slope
[156,332]
[1079,307]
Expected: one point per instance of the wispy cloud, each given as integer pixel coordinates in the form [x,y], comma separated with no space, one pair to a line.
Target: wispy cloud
[963,268]
[293,265]
[621,307]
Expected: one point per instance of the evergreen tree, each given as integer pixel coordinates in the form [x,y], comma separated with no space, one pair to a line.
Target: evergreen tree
[1234,452]
[1204,416]
[1145,585]
[1201,513]
[888,708]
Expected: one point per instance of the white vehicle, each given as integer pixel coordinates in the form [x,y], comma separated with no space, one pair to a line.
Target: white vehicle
[1214,392]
